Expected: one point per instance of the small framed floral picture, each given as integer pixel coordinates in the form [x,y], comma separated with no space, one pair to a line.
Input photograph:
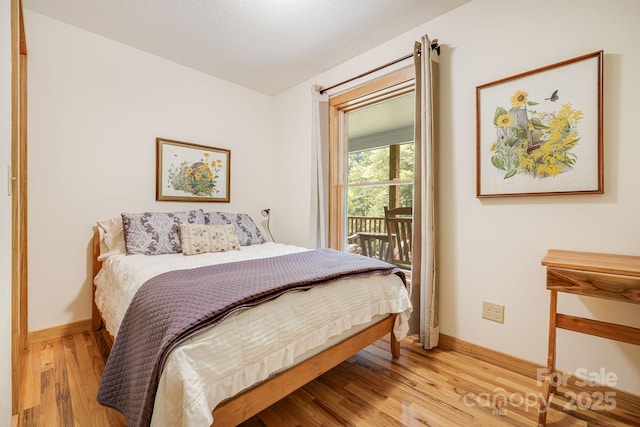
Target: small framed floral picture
[540,132]
[191,172]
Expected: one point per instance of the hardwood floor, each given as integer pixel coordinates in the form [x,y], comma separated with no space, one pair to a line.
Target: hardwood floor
[421,388]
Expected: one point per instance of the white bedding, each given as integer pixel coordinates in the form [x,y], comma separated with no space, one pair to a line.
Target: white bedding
[251,345]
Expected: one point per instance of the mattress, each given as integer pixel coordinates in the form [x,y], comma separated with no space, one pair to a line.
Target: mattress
[251,345]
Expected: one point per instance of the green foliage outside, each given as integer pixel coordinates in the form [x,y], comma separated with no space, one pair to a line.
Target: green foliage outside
[373,166]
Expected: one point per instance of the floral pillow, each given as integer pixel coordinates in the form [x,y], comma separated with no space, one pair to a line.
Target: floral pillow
[247,230]
[156,233]
[203,238]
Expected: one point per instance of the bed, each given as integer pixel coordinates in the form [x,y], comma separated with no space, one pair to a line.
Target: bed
[254,357]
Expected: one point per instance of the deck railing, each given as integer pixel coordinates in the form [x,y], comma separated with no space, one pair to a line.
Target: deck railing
[365,224]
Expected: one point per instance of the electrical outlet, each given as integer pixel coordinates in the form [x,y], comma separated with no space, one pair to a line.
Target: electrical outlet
[493,311]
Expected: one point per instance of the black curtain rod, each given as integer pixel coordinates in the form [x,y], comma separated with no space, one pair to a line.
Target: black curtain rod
[434,46]
[324,89]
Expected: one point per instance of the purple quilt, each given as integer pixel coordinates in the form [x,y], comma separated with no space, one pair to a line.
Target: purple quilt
[174,306]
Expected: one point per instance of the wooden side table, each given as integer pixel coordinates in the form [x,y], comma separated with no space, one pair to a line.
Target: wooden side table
[614,277]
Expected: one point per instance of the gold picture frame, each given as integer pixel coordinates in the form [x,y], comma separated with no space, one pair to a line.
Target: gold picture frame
[540,132]
[191,172]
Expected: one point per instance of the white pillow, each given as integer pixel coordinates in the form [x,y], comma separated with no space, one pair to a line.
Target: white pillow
[111,237]
[202,238]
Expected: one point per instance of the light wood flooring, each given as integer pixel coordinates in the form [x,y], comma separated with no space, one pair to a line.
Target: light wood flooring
[421,388]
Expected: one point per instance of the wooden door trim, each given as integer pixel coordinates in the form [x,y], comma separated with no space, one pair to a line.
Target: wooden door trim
[19,288]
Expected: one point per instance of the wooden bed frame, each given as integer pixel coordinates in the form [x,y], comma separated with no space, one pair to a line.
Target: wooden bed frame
[250,402]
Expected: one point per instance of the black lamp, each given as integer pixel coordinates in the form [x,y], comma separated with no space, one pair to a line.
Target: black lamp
[267,214]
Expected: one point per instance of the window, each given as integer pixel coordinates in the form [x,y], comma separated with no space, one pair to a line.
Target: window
[371,161]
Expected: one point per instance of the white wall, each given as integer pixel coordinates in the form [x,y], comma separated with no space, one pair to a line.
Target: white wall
[5,213]
[491,249]
[95,109]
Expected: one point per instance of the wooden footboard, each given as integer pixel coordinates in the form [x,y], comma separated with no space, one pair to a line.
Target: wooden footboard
[247,404]
[250,402]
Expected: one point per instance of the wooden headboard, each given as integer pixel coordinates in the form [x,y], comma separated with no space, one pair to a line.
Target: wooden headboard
[96,318]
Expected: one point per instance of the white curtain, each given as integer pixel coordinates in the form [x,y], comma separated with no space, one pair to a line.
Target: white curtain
[319,215]
[425,195]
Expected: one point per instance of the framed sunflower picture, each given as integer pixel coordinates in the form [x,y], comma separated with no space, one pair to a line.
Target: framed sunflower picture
[540,132]
[191,172]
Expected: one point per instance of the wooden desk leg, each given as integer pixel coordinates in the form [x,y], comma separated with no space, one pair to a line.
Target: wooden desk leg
[550,382]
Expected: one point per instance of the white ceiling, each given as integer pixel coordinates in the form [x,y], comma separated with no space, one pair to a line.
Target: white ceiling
[265,45]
